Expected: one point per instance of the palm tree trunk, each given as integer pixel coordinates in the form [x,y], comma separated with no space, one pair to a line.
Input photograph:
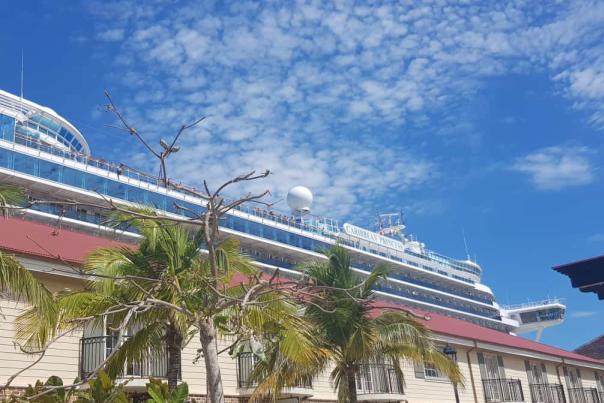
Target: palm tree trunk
[352,385]
[207,337]
[174,347]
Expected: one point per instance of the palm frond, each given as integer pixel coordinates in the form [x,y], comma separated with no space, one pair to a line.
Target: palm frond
[140,348]
[10,196]
[21,284]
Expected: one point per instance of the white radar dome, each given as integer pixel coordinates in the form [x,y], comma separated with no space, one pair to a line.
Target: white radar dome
[299,199]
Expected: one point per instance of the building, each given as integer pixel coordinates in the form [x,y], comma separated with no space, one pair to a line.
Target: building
[586,275]
[498,367]
[593,348]
[41,151]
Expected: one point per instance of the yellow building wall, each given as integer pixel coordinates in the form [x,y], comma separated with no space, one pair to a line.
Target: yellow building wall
[62,359]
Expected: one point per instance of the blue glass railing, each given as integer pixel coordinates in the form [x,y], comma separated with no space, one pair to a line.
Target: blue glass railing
[135,194]
[116,189]
[435,286]
[439,302]
[81,215]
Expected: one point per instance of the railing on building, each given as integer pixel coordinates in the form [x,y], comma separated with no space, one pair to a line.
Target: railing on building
[547,393]
[245,366]
[378,379]
[583,395]
[95,350]
[502,390]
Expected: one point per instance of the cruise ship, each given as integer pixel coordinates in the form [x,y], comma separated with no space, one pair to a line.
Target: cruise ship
[43,152]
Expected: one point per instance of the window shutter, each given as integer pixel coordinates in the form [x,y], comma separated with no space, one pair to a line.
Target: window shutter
[579,380]
[598,382]
[501,368]
[483,374]
[418,367]
[529,372]
[565,371]
[544,376]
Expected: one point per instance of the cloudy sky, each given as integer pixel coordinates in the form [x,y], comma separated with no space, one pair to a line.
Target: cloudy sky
[478,117]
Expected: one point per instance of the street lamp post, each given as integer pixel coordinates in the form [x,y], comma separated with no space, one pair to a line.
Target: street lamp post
[450,352]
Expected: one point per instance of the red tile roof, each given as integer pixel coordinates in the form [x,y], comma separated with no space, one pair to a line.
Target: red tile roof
[29,238]
[20,236]
[441,324]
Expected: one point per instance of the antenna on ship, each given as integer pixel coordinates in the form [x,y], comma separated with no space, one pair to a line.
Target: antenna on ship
[465,243]
[390,224]
[299,199]
[21,84]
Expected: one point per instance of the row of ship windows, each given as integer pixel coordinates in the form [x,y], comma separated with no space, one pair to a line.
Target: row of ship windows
[542,315]
[69,176]
[9,127]
[436,300]
[33,143]
[82,215]
[457,264]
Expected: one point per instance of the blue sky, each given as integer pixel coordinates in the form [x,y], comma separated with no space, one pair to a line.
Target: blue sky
[481,116]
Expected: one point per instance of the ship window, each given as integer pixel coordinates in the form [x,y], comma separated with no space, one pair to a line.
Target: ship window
[255,229]
[7,128]
[116,189]
[270,233]
[95,183]
[72,177]
[307,243]
[239,224]
[5,156]
[24,163]
[49,170]
[156,200]
[136,195]
[282,236]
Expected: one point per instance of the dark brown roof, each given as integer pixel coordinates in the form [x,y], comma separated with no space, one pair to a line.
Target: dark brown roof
[593,348]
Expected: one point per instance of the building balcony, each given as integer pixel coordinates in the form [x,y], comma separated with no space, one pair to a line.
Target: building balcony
[583,395]
[95,350]
[245,365]
[379,383]
[547,393]
[502,390]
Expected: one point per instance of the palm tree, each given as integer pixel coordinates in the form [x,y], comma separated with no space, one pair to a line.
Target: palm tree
[15,280]
[155,269]
[355,332]
[170,266]
[119,277]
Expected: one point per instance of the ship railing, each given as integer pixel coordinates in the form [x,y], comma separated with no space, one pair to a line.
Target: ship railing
[319,226]
[532,304]
[439,302]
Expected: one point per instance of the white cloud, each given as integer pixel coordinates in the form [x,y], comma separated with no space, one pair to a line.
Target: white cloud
[558,167]
[582,314]
[306,89]
[596,238]
[111,35]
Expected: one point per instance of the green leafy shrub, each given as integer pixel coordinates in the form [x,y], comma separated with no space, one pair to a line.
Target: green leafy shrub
[159,393]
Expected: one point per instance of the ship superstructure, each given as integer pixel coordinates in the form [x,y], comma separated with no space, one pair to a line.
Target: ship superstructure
[43,152]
